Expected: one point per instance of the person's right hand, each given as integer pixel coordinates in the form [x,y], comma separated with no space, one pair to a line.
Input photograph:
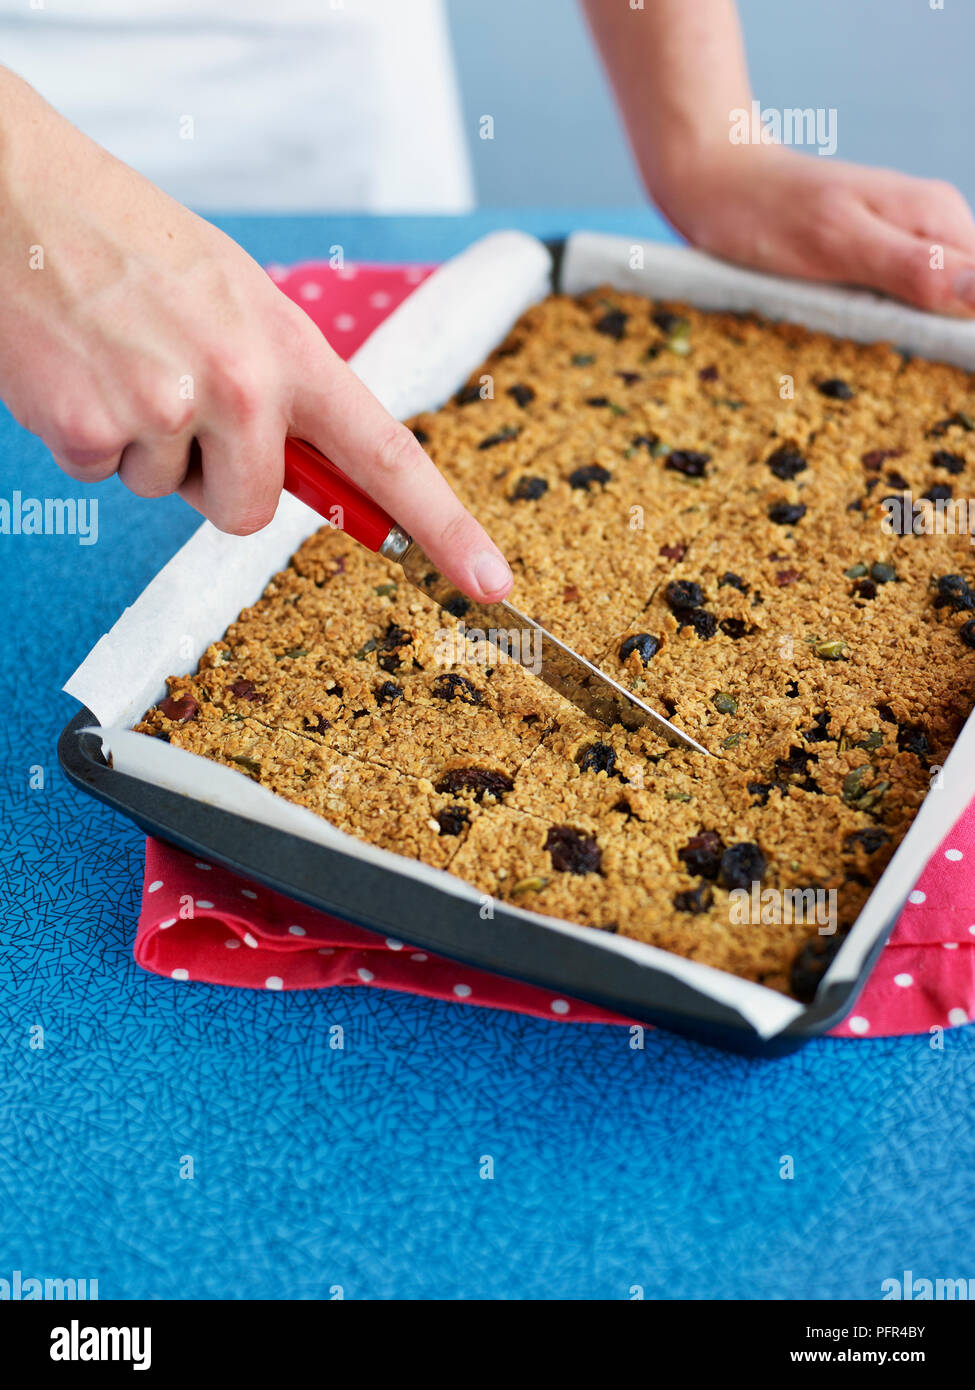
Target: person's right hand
[136,338]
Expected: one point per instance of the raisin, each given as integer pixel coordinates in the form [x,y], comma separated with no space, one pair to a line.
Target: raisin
[477,780]
[163,738]
[898,480]
[453,819]
[695,900]
[865,588]
[913,738]
[688,462]
[245,690]
[887,714]
[502,437]
[388,645]
[645,645]
[792,690]
[457,606]
[613,324]
[954,589]
[573,852]
[530,489]
[785,577]
[388,693]
[835,389]
[421,436]
[599,402]
[967,633]
[182,710]
[450,686]
[786,463]
[704,624]
[734,580]
[682,595]
[708,373]
[469,393]
[591,473]
[645,441]
[735,628]
[598,757]
[762,790]
[318,725]
[943,458]
[667,322]
[523,395]
[742,865]
[819,733]
[786,513]
[810,964]
[938,492]
[702,854]
[873,459]
[629,378]
[870,839]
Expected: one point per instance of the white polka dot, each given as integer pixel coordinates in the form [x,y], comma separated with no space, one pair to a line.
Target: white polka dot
[365,975]
[297,931]
[250,941]
[950,945]
[393,944]
[559,1006]
[346,272]
[273,982]
[181,974]
[957,1016]
[917,896]
[310,290]
[199,864]
[972,930]
[205,903]
[380,299]
[858,1024]
[155,887]
[344,322]
[248,893]
[169,922]
[326,950]
[419,955]
[413,275]
[277,272]
[232,944]
[462,991]
[954,855]
[903,980]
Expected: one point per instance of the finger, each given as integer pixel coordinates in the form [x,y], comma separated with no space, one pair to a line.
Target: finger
[157,467]
[885,257]
[936,211]
[342,418]
[238,480]
[86,446]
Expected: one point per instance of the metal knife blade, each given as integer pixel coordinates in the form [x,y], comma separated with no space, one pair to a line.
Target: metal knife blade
[518,637]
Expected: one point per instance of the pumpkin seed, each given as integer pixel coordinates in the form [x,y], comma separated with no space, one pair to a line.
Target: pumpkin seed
[732,740]
[582,359]
[249,763]
[832,650]
[724,703]
[677,796]
[386,590]
[534,884]
[853,783]
[855,572]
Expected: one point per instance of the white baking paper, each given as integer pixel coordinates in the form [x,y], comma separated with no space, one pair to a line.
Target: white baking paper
[413,362]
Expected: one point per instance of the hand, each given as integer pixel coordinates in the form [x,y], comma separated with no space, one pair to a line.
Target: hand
[135,338]
[819,219]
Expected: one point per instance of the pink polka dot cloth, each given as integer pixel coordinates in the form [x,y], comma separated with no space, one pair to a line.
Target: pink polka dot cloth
[200,922]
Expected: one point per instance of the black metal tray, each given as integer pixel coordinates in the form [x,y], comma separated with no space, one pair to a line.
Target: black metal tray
[391,904]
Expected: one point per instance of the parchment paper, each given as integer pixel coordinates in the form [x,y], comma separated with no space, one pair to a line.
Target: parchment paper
[417,358]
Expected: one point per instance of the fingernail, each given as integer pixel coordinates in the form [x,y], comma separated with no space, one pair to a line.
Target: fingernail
[965,286]
[491,572]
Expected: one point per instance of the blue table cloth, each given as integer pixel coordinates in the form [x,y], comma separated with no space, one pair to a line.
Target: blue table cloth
[180,1141]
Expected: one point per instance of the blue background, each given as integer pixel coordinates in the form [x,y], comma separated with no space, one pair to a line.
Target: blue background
[360,1168]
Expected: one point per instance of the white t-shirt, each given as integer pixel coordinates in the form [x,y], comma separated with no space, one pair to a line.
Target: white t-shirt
[244,105]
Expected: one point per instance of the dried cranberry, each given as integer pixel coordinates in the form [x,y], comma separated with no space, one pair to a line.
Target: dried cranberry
[477,780]
[530,489]
[786,462]
[683,594]
[245,690]
[943,458]
[786,513]
[645,645]
[450,686]
[524,395]
[688,462]
[591,473]
[742,865]
[598,757]
[573,852]
[612,323]
[694,900]
[874,458]
[702,854]
[810,965]
[673,552]
[835,389]
[182,710]
[453,819]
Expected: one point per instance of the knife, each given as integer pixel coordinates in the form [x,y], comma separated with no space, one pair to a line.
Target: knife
[310,477]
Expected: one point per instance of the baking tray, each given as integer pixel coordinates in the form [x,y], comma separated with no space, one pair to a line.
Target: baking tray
[579,962]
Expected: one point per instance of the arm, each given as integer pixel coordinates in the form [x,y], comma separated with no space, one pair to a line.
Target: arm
[679,72]
[136,338]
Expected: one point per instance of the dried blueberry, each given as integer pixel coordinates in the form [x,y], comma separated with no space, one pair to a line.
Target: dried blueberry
[870,839]
[457,606]
[705,624]
[530,489]
[694,900]
[477,780]
[590,474]
[573,852]
[742,865]
[786,513]
[645,645]
[683,594]
[522,394]
[786,462]
[943,458]
[735,628]
[688,462]
[954,589]
[938,492]
[450,686]
[967,633]
[882,574]
[913,738]
[734,580]
[835,389]
[810,965]
[388,693]
[612,323]
[597,757]
[388,645]
[702,854]
[453,820]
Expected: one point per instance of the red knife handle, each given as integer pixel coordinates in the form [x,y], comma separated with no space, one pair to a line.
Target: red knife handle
[319,484]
